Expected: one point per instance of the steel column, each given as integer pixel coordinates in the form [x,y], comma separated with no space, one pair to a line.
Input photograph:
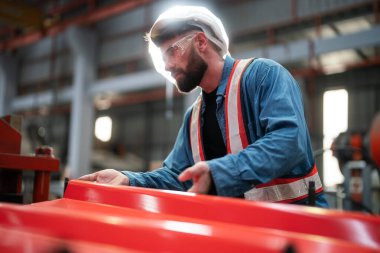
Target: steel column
[7,83]
[82,42]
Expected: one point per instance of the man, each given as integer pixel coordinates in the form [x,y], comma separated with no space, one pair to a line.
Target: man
[245,136]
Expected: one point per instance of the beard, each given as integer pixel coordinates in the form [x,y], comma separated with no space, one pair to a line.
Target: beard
[193,74]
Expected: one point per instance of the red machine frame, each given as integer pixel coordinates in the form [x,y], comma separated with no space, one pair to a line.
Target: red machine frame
[12,163]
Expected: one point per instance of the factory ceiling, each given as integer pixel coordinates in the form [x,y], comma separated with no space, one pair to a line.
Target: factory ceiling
[25,22]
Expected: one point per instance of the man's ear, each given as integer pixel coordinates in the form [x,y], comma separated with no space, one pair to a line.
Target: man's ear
[201,42]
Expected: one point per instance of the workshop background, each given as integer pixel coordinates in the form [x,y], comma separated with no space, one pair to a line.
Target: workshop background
[79,75]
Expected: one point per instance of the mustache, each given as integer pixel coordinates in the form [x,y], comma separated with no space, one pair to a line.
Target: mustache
[174,72]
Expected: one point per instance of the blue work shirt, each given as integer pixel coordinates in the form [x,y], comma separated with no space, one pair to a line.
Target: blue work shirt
[279,140]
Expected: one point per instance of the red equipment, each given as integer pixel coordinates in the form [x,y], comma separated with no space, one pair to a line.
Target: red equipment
[358,155]
[375,140]
[146,220]
[12,163]
[356,145]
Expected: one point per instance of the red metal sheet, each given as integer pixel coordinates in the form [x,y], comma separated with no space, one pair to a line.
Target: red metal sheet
[148,220]
[138,233]
[138,230]
[346,226]
[33,241]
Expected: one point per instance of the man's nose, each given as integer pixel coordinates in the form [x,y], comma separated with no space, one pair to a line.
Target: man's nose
[169,65]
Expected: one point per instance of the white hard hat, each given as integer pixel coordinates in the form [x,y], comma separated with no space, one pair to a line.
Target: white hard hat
[180,19]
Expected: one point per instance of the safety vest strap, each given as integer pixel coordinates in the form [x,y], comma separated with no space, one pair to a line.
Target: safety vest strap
[235,130]
[285,190]
[236,136]
[195,132]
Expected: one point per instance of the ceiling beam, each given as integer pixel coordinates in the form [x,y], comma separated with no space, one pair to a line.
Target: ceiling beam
[92,17]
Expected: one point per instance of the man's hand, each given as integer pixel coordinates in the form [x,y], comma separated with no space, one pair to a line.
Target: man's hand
[200,175]
[107,176]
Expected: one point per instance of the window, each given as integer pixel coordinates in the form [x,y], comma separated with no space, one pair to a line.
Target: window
[335,114]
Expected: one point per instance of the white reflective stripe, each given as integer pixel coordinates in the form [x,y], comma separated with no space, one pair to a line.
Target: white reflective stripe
[283,192]
[236,144]
[194,130]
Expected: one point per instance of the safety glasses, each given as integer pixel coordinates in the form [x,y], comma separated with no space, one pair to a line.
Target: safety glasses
[178,48]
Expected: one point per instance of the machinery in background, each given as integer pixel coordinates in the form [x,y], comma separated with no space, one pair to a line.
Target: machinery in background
[12,164]
[375,140]
[358,155]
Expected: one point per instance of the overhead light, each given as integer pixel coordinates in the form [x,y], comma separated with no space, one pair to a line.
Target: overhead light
[103,128]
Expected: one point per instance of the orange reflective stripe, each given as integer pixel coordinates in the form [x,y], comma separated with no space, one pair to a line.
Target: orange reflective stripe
[288,192]
[288,180]
[300,197]
[235,130]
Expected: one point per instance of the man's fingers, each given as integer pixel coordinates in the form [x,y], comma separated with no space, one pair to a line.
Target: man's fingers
[89,177]
[200,175]
[186,175]
[192,172]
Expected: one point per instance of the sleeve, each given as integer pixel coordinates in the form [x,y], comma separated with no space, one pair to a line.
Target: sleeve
[166,177]
[279,125]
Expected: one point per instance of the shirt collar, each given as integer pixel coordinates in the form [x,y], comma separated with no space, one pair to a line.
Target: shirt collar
[228,65]
[227,68]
